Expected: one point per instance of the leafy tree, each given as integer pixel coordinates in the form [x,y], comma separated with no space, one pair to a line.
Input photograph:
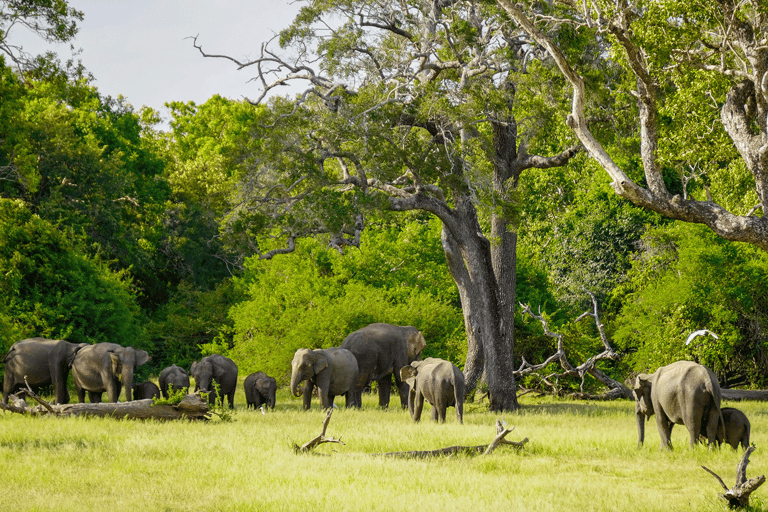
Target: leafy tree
[48,288]
[685,279]
[411,106]
[698,71]
[313,298]
[53,20]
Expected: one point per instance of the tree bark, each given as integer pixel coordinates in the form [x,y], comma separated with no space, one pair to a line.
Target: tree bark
[192,407]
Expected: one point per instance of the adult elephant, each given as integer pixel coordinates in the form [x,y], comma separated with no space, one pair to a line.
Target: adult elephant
[683,393]
[145,390]
[219,369]
[106,367]
[333,370]
[381,350]
[43,362]
[260,389]
[437,380]
[173,378]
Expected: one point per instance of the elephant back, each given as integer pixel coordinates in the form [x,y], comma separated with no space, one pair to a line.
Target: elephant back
[382,348]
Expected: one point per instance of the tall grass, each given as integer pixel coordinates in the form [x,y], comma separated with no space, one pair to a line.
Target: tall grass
[581,456]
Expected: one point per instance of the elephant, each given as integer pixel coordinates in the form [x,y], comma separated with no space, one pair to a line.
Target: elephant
[173,378]
[44,362]
[220,369]
[145,390]
[260,389]
[381,350]
[685,393]
[737,428]
[106,367]
[333,370]
[437,380]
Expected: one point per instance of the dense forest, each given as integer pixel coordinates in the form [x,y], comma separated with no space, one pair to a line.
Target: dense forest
[442,167]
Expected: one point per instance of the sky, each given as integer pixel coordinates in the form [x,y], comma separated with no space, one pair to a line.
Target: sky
[138,48]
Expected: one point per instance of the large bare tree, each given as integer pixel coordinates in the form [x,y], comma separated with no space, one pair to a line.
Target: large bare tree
[686,57]
[409,105]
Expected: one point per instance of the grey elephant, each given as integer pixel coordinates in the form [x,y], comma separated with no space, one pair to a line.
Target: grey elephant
[145,390]
[438,381]
[44,362]
[333,371]
[173,378]
[683,393]
[381,350]
[260,389]
[216,368]
[737,428]
[106,367]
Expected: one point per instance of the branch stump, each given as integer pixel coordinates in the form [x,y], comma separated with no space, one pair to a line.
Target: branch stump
[738,495]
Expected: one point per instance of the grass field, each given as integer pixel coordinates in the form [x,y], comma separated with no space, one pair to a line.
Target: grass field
[581,456]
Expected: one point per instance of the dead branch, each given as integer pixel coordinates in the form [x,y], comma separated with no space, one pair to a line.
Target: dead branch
[738,495]
[192,407]
[617,389]
[320,439]
[483,449]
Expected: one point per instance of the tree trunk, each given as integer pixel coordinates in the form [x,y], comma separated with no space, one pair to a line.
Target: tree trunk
[192,407]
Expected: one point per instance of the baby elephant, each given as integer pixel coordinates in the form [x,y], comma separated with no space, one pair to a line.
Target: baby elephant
[260,389]
[437,380]
[737,428]
[145,390]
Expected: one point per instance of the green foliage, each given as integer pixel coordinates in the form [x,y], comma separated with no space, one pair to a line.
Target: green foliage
[174,397]
[191,319]
[686,279]
[314,298]
[49,288]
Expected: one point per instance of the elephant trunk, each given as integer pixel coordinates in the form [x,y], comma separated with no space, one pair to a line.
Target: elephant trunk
[640,428]
[128,383]
[295,381]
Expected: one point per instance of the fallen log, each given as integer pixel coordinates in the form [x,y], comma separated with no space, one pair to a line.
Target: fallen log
[760,395]
[192,407]
[484,449]
[738,495]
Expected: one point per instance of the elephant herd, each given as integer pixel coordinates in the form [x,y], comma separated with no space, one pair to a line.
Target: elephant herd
[375,353]
[683,393]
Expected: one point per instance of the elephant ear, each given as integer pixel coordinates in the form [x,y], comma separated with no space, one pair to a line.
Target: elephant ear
[321,363]
[117,365]
[408,374]
[142,356]
[416,344]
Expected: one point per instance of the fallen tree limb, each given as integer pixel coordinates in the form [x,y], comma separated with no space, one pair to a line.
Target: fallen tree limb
[320,439]
[759,395]
[192,407]
[484,449]
[616,388]
[738,495]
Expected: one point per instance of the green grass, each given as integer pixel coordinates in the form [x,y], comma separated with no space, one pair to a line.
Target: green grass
[581,456]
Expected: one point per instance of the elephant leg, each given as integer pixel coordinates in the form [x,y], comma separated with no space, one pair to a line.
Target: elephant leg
[418,405]
[385,389]
[230,399]
[94,397]
[713,425]
[435,414]
[81,395]
[665,430]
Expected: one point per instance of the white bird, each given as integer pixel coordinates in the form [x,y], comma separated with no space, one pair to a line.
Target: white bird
[700,332]
[262,409]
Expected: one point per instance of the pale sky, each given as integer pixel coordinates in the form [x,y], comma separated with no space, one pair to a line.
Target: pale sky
[137,48]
